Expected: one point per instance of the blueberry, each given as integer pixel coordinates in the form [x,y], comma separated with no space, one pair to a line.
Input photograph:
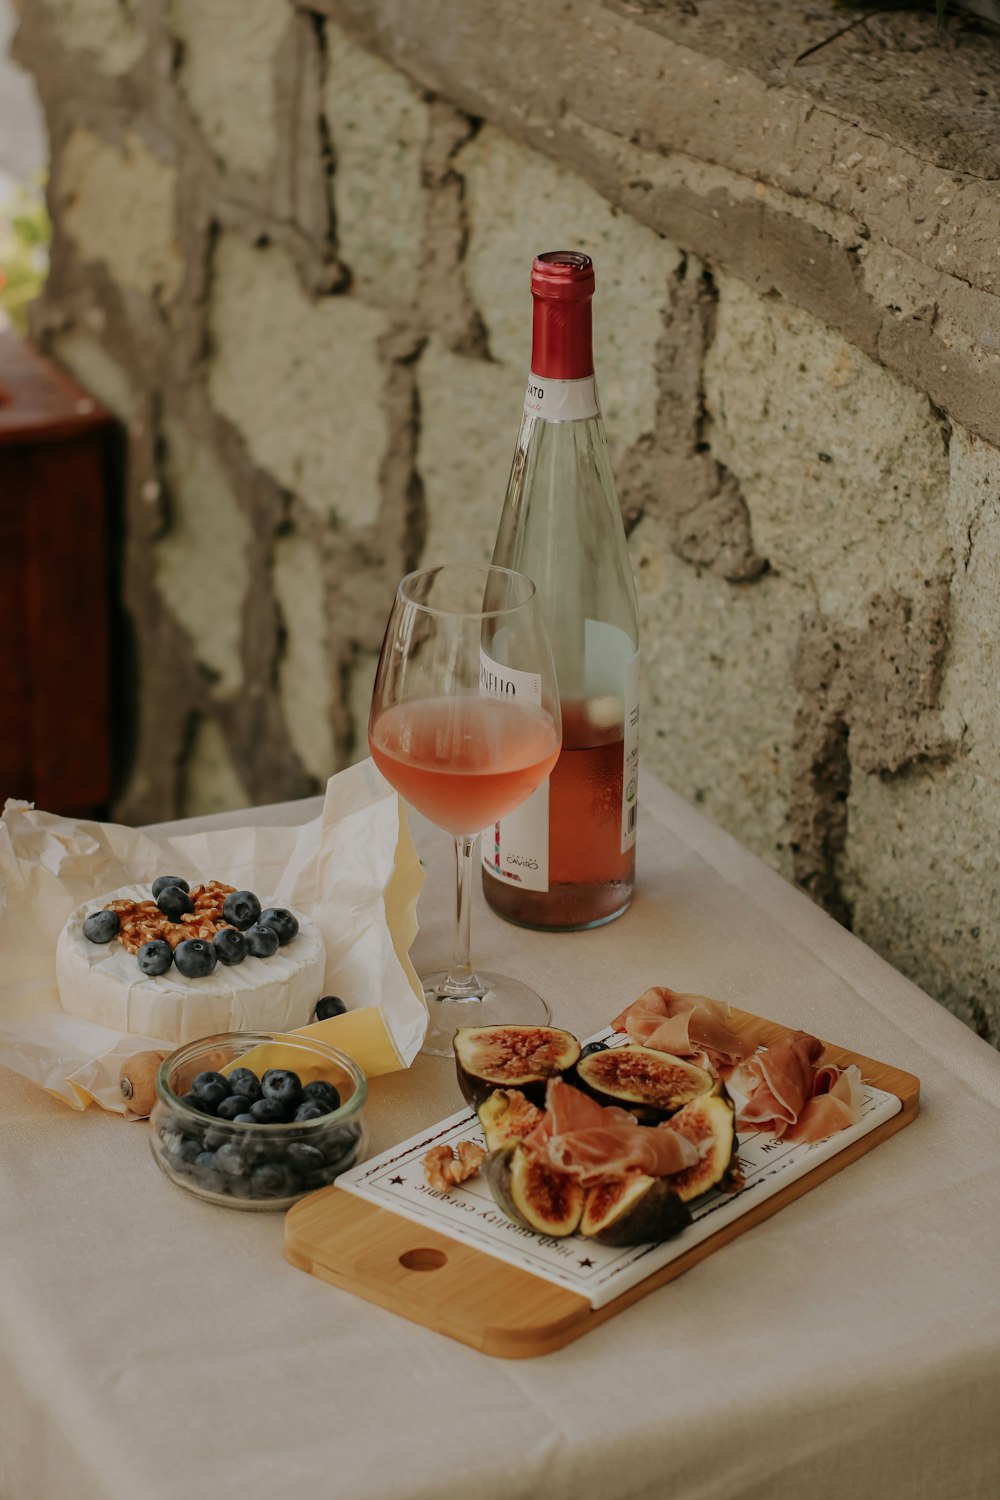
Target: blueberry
[174,903]
[281,921]
[162,881]
[242,1081]
[305,1158]
[229,1159]
[201,1105]
[284,1087]
[215,1137]
[260,1146]
[241,908]
[211,1096]
[330,1005]
[155,957]
[313,1180]
[244,1119]
[322,1093]
[195,958]
[230,946]
[201,1081]
[267,1112]
[261,941]
[207,1173]
[186,1150]
[593,1047]
[236,1104]
[338,1146]
[101,926]
[271,1180]
[310,1109]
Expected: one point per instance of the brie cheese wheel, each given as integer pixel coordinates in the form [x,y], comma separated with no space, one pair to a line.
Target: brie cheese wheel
[103,982]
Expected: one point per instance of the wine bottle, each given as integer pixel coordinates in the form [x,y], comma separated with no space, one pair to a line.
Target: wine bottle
[566,857]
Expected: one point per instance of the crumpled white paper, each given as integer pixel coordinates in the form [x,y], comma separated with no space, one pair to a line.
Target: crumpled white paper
[353,870]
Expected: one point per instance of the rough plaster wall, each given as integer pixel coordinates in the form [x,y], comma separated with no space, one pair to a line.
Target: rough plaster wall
[301,382]
[137,245]
[238,118]
[317,333]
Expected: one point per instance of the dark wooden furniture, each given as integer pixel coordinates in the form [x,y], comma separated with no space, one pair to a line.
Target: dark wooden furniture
[55,689]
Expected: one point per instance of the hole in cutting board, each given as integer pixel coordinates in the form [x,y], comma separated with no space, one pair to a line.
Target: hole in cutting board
[423,1260]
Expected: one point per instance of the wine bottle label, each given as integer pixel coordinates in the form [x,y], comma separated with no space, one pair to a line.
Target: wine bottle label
[630,766]
[499,681]
[561,400]
[517,848]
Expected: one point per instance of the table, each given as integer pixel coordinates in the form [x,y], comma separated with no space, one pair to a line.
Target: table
[154,1346]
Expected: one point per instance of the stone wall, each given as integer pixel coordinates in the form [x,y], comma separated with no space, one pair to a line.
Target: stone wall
[292,246]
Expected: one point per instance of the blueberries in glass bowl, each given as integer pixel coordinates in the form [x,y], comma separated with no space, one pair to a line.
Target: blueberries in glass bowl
[212,1138]
[283,1087]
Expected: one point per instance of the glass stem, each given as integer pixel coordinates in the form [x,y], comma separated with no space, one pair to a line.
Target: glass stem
[462,981]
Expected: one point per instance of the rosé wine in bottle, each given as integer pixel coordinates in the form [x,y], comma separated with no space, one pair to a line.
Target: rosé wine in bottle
[566,857]
[464,761]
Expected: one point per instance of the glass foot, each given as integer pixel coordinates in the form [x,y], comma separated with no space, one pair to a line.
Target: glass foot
[503,1002]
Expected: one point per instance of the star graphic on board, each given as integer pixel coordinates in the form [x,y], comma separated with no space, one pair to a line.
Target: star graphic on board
[585,1262]
[396,1180]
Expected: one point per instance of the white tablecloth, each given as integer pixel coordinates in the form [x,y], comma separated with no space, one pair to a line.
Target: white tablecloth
[153,1346]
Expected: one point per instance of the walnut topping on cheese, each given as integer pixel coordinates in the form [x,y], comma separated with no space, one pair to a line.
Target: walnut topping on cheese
[142,921]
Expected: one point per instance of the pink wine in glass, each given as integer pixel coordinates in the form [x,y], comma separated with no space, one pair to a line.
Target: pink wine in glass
[566,857]
[589,875]
[464,762]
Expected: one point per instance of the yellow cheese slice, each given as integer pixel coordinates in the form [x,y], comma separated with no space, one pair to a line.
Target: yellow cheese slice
[362,1034]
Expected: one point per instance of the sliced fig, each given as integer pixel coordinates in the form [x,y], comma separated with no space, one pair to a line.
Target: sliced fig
[708,1123]
[507,1116]
[511,1057]
[532,1193]
[653,1085]
[634,1211]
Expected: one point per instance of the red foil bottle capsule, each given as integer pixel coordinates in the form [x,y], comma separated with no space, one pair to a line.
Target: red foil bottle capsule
[562,286]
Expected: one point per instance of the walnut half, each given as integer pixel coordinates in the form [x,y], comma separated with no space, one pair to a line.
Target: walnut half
[443,1171]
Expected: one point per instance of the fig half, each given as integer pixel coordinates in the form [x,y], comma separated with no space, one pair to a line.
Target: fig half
[506,1115]
[511,1057]
[710,1116]
[634,1211]
[532,1193]
[653,1085]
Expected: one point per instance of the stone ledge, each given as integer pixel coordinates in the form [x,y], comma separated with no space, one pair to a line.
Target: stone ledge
[800,179]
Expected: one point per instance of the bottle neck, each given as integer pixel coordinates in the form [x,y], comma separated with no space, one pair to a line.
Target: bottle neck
[562,341]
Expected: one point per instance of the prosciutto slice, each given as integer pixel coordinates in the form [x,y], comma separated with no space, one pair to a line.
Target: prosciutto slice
[691,1026]
[835,1104]
[789,1095]
[777,1083]
[596,1143]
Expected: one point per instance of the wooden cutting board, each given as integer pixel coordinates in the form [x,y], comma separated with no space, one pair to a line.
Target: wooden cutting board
[500,1309]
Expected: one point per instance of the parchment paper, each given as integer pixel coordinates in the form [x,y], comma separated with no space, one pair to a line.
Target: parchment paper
[353,870]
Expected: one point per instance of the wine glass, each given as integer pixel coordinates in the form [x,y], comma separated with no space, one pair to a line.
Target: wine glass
[465,725]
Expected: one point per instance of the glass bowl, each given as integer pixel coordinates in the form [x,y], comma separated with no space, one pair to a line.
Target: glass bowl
[254,1166]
